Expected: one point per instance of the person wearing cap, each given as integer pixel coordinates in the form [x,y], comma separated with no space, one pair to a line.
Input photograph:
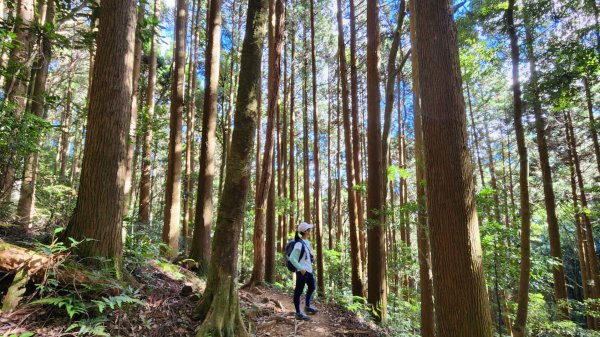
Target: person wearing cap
[304,271]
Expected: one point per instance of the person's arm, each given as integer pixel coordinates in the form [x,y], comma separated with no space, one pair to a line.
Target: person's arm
[295,258]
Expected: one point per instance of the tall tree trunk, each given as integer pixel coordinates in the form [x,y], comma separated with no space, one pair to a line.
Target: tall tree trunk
[590,243]
[492,172]
[145,178]
[305,158]
[494,216]
[77,157]
[318,216]
[26,206]
[77,144]
[519,326]
[15,89]
[376,272]
[292,166]
[389,94]
[265,183]
[475,135]
[257,162]
[505,194]
[137,60]
[278,159]
[191,121]
[204,208]
[172,209]
[219,306]
[356,143]
[558,272]
[593,126]
[511,185]
[402,164]
[226,115]
[355,259]
[283,150]
[65,124]
[424,255]
[270,232]
[97,215]
[134,172]
[330,203]
[580,231]
[457,261]
[338,181]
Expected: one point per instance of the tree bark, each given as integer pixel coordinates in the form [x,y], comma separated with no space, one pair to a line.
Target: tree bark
[77,142]
[590,243]
[137,60]
[172,209]
[305,157]
[191,123]
[233,78]
[355,259]
[145,179]
[492,172]
[580,231]
[283,151]
[318,216]
[457,261]
[519,326]
[392,73]
[271,229]
[292,166]
[201,243]
[97,215]
[356,143]
[330,203]
[26,206]
[593,123]
[65,124]
[475,136]
[219,306]
[338,181]
[511,187]
[558,272]
[265,183]
[204,208]
[424,254]
[376,271]
[15,88]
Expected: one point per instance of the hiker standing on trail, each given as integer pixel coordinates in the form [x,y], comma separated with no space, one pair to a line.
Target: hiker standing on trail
[301,257]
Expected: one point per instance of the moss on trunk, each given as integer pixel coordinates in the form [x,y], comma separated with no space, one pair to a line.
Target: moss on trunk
[219,309]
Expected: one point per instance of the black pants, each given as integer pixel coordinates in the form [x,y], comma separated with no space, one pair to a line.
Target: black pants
[301,281]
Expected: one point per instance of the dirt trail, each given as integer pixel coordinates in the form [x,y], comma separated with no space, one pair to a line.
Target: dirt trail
[169,295]
[272,314]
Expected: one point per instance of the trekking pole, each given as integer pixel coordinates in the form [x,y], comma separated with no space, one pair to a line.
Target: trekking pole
[295,325]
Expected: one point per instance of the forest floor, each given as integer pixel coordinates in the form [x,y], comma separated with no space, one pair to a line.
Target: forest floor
[165,296]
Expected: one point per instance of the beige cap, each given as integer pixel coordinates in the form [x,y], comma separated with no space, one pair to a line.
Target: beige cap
[303,227]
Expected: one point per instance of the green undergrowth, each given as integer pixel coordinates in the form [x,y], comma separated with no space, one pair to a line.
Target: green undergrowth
[89,306]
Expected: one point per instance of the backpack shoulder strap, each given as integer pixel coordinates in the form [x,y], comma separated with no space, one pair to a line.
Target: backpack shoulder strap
[301,251]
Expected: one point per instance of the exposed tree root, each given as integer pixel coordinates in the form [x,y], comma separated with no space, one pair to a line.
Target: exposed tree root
[219,311]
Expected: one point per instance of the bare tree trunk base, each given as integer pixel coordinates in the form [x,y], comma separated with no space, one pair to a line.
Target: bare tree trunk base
[219,311]
[253,285]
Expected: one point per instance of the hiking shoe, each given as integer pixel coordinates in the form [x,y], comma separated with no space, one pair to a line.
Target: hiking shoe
[302,316]
[311,310]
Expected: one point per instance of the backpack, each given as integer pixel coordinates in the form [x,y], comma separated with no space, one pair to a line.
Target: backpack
[288,251]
